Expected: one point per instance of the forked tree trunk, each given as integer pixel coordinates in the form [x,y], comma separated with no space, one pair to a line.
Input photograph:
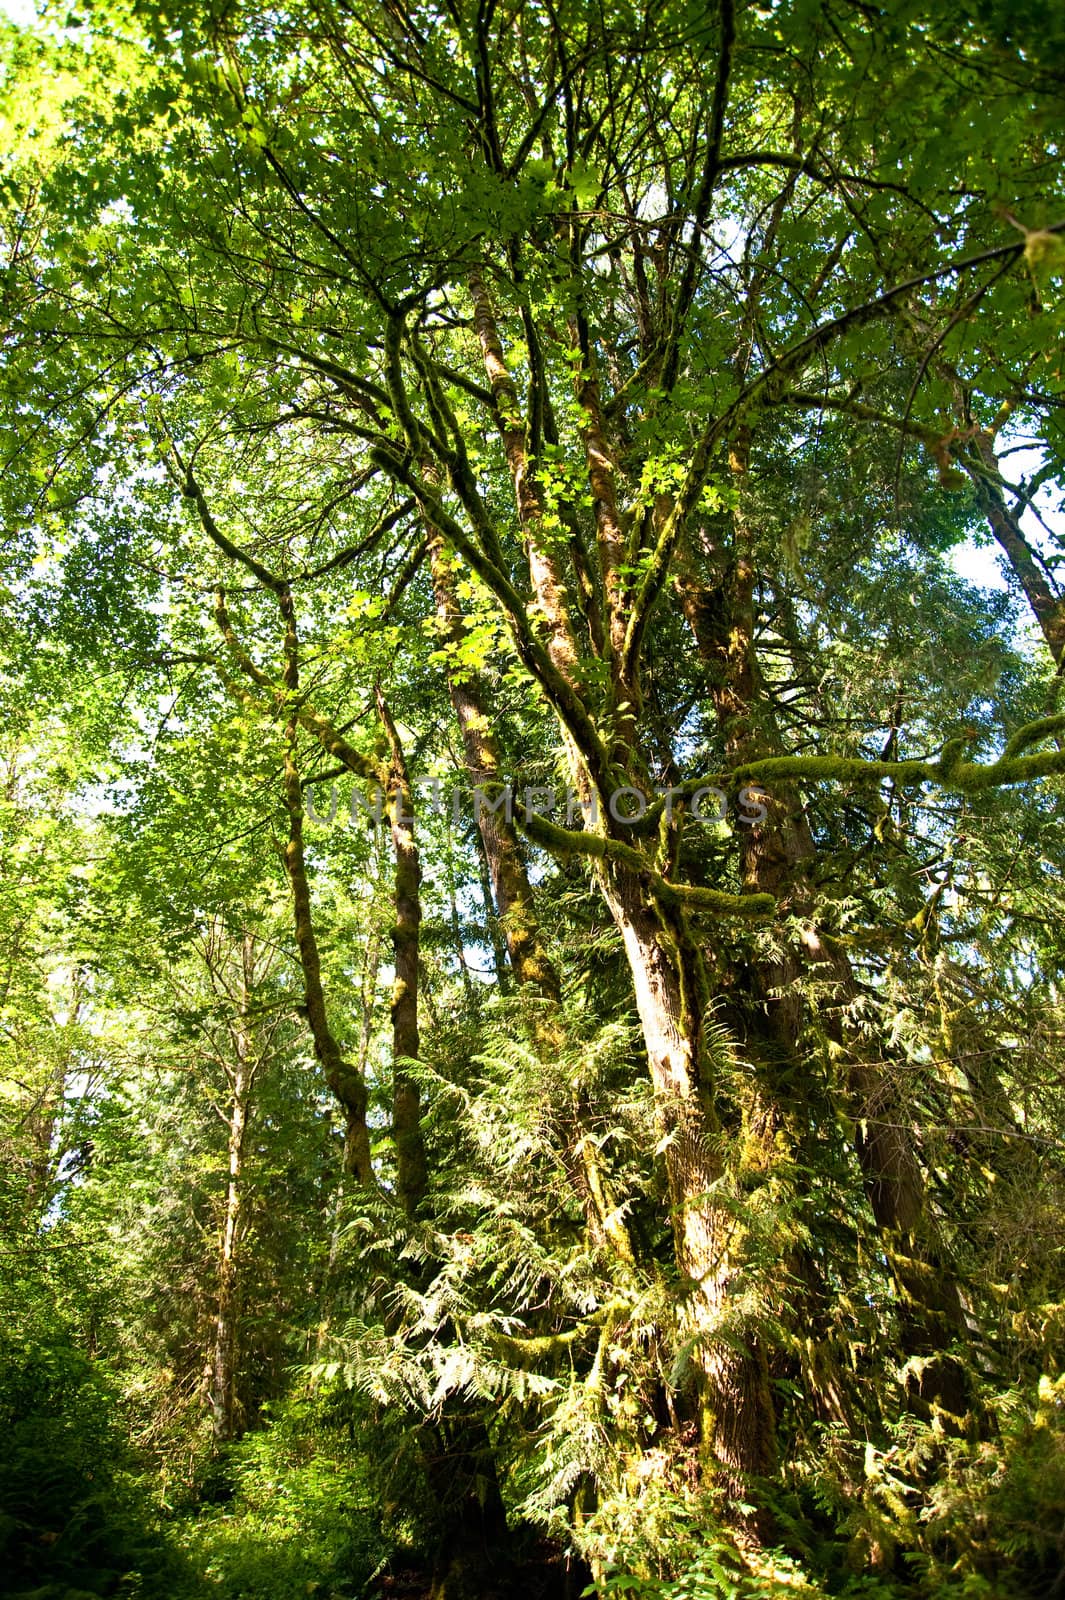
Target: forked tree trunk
[735,1401]
[512,892]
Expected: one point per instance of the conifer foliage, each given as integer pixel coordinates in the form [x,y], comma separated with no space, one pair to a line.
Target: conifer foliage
[531,1019]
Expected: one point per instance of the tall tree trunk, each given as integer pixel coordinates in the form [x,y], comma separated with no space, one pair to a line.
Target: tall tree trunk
[775,856]
[226,1412]
[240,1062]
[411,1170]
[347,1083]
[476,1545]
[735,1402]
[354,1132]
[513,893]
[737,1417]
[506,863]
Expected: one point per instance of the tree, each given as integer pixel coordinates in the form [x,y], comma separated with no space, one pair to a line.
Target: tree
[631,361]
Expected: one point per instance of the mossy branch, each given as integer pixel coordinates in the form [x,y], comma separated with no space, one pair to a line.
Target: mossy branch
[569,842]
[536,1346]
[682,896]
[948,771]
[1033,733]
[690,897]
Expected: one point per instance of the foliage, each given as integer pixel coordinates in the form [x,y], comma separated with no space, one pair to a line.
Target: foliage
[75,1513]
[297,1518]
[426,399]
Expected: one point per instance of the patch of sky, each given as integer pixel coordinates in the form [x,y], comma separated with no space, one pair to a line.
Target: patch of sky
[980,561]
[21,12]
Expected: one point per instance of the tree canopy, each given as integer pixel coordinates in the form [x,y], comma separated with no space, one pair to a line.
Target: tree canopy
[531,1029]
